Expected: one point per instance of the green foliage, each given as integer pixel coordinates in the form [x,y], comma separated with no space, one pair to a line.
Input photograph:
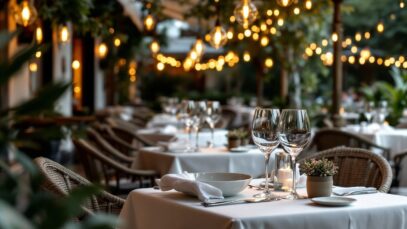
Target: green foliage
[320,168]
[63,11]
[395,95]
[22,202]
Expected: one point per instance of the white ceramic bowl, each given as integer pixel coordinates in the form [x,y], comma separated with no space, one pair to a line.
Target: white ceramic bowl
[230,183]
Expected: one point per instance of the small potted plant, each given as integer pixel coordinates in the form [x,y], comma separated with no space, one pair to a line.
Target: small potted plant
[233,139]
[319,176]
[244,136]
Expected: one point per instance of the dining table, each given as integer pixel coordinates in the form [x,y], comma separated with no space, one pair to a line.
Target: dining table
[217,159]
[150,208]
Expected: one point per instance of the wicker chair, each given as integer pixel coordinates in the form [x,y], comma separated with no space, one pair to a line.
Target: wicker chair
[103,169]
[358,167]
[127,133]
[330,138]
[60,181]
[107,133]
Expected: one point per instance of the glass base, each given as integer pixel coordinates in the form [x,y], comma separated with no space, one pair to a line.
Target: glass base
[294,196]
[266,195]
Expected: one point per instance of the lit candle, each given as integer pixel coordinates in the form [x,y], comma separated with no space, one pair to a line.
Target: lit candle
[285,177]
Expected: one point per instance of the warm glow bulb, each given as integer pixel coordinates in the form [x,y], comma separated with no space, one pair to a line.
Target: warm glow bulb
[280,22]
[380,27]
[358,36]
[218,37]
[335,37]
[269,63]
[160,66]
[245,13]
[33,67]
[199,47]
[38,35]
[25,13]
[64,34]
[76,64]
[154,47]
[246,56]
[297,11]
[308,4]
[264,41]
[102,50]
[117,42]
[149,23]
[402,4]
[284,3]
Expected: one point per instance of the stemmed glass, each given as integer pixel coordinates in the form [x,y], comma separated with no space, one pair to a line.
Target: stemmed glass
[198,119]
[295,134]
[265,136]
[382,112]
[213,115]
[186,114]
[369,111]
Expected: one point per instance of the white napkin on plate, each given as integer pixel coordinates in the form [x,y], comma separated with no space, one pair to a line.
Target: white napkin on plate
[187,184]
[347,191]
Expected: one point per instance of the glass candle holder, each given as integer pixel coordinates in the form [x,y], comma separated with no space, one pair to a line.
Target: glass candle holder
[283,172]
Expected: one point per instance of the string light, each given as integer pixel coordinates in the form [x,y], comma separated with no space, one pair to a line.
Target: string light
[296,10]
[284,3]
[335,37]
[25,13]
[199,46]
[229,34]
[269,63]
[102,50]
[38,35]
[264,41]
[76,64]
[402,4]
[380,27]
[218,36]
[33,67]
[367,35]
[246,56]
[245,13]
[38,54]
[149,23]
[358,36]
[280,22]
[160,66]
[117,42]
[154,47]
[308,4]
[64,34]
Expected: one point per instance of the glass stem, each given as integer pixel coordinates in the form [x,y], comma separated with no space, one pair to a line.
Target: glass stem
[212,136]
[266,170]
[294,164]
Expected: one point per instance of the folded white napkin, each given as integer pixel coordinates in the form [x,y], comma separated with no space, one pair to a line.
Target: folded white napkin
[346,191]
[187,184]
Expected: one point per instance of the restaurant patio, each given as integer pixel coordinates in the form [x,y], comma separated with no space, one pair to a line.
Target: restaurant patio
[203,114]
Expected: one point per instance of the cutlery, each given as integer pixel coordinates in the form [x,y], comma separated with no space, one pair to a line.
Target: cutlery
[356,192]
[238,201]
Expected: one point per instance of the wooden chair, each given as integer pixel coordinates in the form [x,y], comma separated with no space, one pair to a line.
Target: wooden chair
[358,167]
[330,138]
[60,181]
[128,133]
[103,169]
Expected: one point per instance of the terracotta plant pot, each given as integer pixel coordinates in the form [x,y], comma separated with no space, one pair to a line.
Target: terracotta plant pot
[319,186]
[233,143]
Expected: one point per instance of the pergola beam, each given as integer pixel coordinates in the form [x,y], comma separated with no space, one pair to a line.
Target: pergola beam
[337,64]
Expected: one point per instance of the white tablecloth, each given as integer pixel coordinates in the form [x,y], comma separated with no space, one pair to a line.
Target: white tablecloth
[209,160]
[394,139]
[148,208]
[156,135]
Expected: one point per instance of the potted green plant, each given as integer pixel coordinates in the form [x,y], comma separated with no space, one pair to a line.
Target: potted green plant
[319,176]
[233,139]
[243,136]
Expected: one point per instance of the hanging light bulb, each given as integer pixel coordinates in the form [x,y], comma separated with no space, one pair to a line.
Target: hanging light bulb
[199,47]
[246,56]
[380,27]
[245,13]
[25,13]
[149,23]
[308,4]
[64,34]
[38,35]
[402,4]
[284,3]
[218,36]
[102,50]
[154,47]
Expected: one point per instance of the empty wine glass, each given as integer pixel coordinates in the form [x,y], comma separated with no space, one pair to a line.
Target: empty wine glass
[382,112]
[295,134]
[198,119]
[213,115]
[369,111]
[265,136]
[185,115]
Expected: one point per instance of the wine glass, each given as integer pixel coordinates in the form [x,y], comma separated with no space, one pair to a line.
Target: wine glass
[265,136]
[369,111]
[294,135]
[185,115]
[213,115]
[198,120]
[382,111]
